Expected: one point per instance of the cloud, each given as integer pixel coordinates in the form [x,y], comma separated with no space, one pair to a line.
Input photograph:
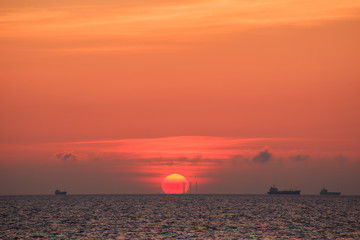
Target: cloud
[122,25]
[263,157]
[178,161]
[66,156]
[341,158]
[299,158]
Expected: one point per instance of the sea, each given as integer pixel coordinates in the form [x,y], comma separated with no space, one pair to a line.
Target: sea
[196,216]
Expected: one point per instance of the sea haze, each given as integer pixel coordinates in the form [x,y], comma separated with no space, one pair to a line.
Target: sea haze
[179,216]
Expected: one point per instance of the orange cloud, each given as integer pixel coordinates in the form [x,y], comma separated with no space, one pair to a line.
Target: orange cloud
[127,26]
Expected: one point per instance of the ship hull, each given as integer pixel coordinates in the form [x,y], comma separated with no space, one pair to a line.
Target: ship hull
[60,193]
[330,193]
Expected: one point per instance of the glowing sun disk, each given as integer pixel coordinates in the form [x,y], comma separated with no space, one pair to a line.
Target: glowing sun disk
[175,184]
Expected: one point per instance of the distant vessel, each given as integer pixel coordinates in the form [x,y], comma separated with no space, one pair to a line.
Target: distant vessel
[324,191]
[275,190]
[58,192]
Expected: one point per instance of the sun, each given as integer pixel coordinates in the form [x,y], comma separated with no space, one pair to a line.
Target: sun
[175,184]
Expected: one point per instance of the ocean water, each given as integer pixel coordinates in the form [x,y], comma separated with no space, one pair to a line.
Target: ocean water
[179,217]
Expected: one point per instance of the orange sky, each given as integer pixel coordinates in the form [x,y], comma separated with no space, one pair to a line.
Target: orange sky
[138,89]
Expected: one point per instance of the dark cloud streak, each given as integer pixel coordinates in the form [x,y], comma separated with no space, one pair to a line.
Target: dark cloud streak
[178,161]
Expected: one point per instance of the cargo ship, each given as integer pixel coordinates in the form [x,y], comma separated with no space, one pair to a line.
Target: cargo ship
[324,191]
[58,192]
[275,190]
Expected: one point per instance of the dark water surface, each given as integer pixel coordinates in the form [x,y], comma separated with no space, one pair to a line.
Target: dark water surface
[179,216]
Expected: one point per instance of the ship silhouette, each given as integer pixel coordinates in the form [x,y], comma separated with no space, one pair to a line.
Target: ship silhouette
[58,192]
[324,191]
[275,190]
